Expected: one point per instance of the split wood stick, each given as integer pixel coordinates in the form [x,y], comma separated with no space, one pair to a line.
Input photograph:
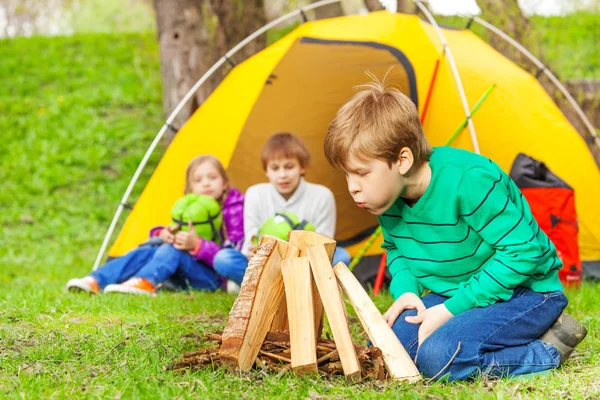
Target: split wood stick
[324,348]
[205,359]
[280,320]
[215,337]
[327,356]
[298,291]
[395,357]
[275,356]
[327,345]
[254,308]
[334,307]
[303,240]
[200,352]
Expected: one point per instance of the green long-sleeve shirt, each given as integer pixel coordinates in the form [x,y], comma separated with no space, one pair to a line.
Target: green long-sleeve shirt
[471,236]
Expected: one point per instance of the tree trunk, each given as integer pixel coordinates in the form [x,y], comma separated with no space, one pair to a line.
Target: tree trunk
[373,5]
[507,15]
[238,19]
[192,36]
[402,6]
[328,11]
[406,7]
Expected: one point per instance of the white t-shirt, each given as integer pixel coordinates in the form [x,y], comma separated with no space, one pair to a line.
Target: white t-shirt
[310,202]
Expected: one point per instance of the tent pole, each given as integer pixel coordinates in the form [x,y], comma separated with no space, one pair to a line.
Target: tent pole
[183,102]
[546,71]
[460,87]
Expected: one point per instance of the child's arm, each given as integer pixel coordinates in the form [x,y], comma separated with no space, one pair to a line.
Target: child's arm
[252,218]
[203,250]
[166,233]
[492,206]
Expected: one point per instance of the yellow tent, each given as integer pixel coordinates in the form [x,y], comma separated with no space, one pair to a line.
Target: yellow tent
[298,83]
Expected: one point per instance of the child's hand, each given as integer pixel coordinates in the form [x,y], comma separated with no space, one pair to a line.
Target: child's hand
[187,240]
[405,302]
[430,319]
[167,234]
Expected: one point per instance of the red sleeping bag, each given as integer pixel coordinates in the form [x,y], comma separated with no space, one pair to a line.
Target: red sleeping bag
[552,203]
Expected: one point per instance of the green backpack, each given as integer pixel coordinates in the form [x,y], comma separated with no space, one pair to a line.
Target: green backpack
[281,223]
[203,211]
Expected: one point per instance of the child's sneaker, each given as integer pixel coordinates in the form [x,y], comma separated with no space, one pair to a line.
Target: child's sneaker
[86,284]
[564,334]
[133,286]
[232,287]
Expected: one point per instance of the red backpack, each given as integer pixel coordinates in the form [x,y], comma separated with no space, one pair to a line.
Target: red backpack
[552,203]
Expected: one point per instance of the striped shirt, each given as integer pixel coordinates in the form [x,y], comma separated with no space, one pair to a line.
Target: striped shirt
[470,237]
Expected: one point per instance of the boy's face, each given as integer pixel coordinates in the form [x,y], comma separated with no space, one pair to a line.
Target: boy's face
[372,184]
[285,174]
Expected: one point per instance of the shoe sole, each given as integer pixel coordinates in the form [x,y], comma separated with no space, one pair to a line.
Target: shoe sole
[75,289]
[81,289]
[127,290]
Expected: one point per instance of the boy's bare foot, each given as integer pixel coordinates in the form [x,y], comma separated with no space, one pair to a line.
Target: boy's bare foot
[564,334]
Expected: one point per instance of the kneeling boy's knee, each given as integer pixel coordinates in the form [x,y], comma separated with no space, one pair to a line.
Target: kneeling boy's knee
[434,357]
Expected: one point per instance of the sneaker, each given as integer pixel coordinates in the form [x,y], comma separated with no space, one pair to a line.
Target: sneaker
[564,334]
[133,286]
[86,284]
[232,287]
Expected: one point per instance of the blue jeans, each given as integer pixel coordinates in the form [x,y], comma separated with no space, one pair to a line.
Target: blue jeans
[500,339]
[232,264]
[341,255]
[158,264]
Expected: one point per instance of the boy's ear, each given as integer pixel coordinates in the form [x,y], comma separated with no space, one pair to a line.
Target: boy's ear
[405,160]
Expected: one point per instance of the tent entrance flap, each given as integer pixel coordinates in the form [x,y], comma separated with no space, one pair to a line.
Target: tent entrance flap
[302,95]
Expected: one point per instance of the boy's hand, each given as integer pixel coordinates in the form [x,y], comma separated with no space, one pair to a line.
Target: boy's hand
[167,234]
[430,319]
[188,240]
[252,246]
[405,302]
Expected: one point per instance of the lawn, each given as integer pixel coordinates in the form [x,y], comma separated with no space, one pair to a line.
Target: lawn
[76,116]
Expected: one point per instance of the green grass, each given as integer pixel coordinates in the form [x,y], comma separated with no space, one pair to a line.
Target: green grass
[76,116]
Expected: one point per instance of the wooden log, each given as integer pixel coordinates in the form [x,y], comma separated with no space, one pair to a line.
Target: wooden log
[200,352]
[298,291]
[275,356]
[303,240]
[286,251]
[395,357]
[334,307]
[254,308]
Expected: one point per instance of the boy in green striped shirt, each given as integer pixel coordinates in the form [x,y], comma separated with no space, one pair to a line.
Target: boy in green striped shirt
[455,224]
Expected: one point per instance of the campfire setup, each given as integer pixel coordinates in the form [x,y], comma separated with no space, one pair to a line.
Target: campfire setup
[276,321]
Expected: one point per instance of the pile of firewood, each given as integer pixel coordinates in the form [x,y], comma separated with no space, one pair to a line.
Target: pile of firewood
[275,355]
[277,319]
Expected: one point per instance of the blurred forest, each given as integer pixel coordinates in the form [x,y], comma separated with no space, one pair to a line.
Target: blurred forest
[190,42]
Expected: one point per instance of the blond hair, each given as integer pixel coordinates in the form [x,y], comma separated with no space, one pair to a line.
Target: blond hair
[285,145]
[376,122]
[198,160]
